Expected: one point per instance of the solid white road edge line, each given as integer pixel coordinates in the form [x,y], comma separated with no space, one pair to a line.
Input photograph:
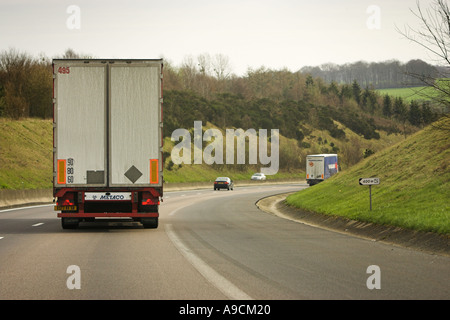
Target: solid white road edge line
[221,283]
[174,211]
[27,207]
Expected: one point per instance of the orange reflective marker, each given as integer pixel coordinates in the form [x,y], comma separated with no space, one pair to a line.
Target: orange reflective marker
[154,174]
[61,172]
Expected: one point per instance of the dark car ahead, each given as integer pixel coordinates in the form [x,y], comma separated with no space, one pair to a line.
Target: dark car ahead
[223,183]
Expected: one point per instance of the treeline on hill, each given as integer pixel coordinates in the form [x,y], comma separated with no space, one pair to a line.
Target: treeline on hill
[290,101]
[377,75]
[204,88]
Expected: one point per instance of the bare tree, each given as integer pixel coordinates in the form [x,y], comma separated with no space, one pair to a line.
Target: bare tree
[221,66]
[434,32]
[204,76]
[72,54]
[188,72]
[14,70]
[434,36]
[25,85]
[204,63]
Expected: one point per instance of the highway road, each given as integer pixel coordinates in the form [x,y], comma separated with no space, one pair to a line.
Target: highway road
[209,245]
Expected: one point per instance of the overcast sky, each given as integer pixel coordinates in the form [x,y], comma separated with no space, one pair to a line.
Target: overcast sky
[274,34]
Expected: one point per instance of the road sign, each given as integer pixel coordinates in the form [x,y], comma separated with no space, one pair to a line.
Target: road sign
[369,181]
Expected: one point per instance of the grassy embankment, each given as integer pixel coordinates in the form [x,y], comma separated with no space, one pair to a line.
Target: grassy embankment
[25,154]
[26,159]
[414,192]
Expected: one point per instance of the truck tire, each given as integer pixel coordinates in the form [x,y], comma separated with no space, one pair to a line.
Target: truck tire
[150,223]
[69,223]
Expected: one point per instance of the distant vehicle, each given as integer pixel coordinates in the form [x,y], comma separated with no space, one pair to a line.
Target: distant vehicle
[259,176]
[320,167]
[223,183]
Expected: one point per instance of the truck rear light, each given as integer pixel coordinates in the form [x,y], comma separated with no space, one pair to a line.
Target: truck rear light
[68,202]
[149,200]
[61,172]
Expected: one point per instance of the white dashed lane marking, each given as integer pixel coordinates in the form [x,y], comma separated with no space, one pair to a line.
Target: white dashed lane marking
[37,224]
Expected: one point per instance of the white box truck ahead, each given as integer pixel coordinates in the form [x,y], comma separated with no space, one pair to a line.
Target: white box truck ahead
[107,139]
[320,167]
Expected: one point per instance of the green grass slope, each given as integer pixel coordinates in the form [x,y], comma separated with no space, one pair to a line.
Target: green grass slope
[414,192]
[25,154]
[205,172]
[26,159]
[409,94]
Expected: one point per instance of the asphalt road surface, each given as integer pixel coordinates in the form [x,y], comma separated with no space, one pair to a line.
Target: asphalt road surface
[209,245]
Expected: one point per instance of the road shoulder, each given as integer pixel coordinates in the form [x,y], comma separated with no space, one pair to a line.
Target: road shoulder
[424,241]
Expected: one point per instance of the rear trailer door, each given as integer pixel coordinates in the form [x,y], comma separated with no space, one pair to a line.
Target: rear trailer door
[135,125]
[108,123]
[80,124]
[315,167]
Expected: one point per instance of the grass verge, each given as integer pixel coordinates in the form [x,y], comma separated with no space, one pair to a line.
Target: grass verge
[414,192]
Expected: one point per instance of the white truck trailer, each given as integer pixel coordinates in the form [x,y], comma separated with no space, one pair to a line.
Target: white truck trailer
[107,140]
[320,167]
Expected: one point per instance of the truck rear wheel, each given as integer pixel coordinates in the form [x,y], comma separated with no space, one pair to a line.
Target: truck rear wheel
[150,223]
[69,223]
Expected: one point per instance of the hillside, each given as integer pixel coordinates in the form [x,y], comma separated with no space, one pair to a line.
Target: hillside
[413,193]
[312,116]
[26,154]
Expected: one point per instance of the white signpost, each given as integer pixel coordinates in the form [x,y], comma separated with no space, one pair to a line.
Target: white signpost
[369,182]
